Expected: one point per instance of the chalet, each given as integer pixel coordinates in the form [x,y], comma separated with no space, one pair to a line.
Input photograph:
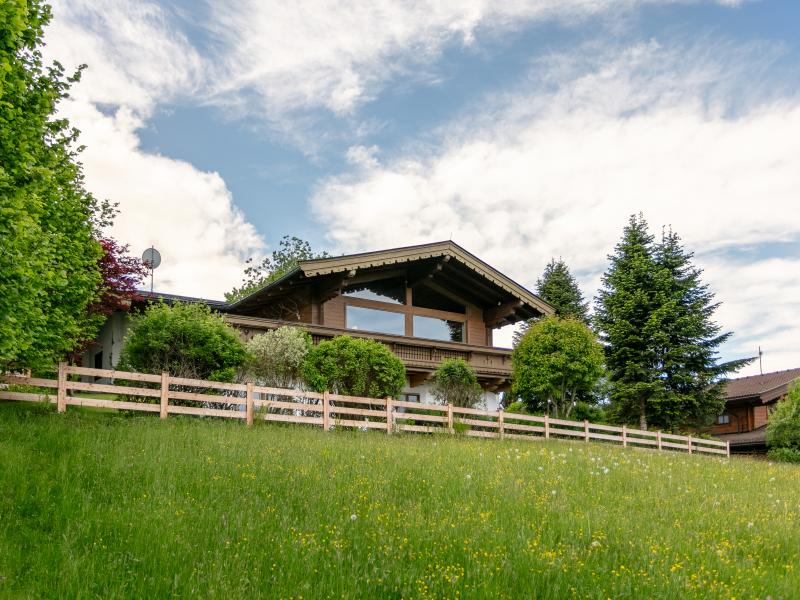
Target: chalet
[748,402]
[426,303]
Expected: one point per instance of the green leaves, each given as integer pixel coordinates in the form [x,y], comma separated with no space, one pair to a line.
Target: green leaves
[48,258]
[354,367]
[456,383]
[554,362]
[188,340]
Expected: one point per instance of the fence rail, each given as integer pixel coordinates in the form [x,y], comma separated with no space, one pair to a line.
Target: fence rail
[249,402]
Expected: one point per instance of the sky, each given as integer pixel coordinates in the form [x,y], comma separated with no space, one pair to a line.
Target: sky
[520,130]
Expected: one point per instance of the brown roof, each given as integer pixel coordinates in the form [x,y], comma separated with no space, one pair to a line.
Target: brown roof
[320,267]
[766,387]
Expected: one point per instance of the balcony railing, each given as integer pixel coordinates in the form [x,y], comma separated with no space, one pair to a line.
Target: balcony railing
[416,353]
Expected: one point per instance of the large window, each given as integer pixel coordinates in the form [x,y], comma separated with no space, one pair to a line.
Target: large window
[392,291]
[438,329]
[379,321]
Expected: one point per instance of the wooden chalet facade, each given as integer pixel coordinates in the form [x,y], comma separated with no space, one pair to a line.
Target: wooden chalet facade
[748,402]
[426,303]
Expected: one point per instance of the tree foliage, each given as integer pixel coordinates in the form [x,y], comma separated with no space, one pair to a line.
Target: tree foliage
[456,383]
[783,429]
[655,318]
[49,271]
[555,361]
[185,339]
[354,367]
[291,251]
[277,357]
[559,288]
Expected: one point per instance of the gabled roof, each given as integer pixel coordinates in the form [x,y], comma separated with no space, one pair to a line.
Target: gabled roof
[766,387]
[456,258]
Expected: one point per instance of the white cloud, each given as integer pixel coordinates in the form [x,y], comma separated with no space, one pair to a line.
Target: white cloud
[137,60]
[312,53]
[557,173]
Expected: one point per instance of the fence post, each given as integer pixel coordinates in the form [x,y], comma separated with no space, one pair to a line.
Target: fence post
[450,418]
[249,401]
[728,448]
[624,436]
[658,439]
[689,444]
[326,411]
[501,426]
[164,394]
[61,395]
[389,415]
[546,426]
[586,430]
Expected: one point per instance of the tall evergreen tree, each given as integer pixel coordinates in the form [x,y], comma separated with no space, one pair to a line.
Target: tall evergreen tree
[627,316]
[687,340]
[559,288]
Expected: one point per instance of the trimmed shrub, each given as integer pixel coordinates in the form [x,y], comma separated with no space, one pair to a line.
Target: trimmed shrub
[276,357]
[456,383]
[188,340]
[354,367]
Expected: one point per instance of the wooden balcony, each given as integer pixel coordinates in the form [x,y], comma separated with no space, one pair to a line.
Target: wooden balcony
[420,356]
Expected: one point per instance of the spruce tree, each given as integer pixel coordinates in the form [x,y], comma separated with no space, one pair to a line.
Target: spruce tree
[628,319]
[687,340]
[559,288]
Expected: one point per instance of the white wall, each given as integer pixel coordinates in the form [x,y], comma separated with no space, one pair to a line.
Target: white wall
[109,342]
[491,399]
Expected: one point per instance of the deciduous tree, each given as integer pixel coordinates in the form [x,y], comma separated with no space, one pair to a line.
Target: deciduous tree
[291,251]
[49,272]
[553,363]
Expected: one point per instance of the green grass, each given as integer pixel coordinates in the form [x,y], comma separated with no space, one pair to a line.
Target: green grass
[104,506]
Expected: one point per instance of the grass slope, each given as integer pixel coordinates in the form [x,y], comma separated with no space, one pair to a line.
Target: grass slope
[100,505]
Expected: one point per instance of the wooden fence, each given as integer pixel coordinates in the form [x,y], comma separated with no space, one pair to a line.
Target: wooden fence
[152,393]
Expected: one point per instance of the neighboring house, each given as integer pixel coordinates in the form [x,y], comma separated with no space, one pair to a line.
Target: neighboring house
[426,303]
[748,402]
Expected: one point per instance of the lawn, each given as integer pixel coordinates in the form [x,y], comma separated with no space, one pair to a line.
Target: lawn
[105,505]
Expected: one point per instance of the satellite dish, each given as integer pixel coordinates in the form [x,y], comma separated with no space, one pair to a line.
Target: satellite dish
[151,258]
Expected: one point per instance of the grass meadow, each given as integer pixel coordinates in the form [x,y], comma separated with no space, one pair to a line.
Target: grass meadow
[101,505]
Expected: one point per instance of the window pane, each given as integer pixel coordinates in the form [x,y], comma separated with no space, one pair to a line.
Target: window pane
[438,329]
[381,321]
[392,291]
[425,297]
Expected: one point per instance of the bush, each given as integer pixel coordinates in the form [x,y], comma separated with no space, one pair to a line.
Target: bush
[188,340]
[517,407]
[783,430]
[554,363]
[455,383]
[354,367]
[276,357]
[789,455]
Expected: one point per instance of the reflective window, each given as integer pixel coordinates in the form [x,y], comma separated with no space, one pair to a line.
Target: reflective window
[392,291]
[425,297]
[380,321]
[438,329]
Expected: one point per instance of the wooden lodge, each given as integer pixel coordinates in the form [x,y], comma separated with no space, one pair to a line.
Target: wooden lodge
[426,303]
[748,402]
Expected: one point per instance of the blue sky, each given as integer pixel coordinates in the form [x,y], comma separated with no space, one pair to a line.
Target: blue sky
[524,130]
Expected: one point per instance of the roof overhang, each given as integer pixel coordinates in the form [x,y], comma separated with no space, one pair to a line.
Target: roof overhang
[464,269]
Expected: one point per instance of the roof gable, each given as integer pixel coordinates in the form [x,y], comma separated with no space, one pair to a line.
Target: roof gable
[766,387]
[463,269]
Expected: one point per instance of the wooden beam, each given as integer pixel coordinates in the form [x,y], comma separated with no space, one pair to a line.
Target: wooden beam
[496,316]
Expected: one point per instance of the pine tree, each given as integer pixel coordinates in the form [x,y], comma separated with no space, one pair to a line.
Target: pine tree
[628,319]
[559,288]
[687,340]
